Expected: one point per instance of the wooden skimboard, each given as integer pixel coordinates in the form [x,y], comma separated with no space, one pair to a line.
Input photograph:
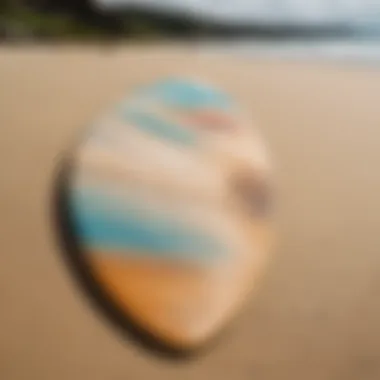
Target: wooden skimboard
[168,202]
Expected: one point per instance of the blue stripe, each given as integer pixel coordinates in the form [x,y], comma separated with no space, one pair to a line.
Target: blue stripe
[109,226]
[180,93]
[160,128]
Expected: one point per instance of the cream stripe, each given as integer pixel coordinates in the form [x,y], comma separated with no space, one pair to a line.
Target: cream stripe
[116,154]
[217,220]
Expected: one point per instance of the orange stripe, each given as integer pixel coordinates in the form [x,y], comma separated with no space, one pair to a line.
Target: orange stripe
[210,119]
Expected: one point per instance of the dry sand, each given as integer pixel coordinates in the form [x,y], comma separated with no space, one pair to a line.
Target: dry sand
[317,313]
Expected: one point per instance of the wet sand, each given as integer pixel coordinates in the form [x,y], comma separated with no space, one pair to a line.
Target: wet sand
[316,315]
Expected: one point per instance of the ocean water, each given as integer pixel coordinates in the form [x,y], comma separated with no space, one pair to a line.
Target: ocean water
[361,49]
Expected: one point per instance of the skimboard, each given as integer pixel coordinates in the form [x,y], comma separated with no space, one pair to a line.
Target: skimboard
[167,207]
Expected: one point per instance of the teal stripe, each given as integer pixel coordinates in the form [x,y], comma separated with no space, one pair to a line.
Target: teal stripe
[161,128]
[177,92]
[110,225]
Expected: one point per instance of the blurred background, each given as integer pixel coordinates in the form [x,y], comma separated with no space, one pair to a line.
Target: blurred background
[331,28]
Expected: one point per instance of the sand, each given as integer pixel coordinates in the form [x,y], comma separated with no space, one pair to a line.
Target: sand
[316,315]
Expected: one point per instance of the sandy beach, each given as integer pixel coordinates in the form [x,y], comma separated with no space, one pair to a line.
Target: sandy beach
[316,315]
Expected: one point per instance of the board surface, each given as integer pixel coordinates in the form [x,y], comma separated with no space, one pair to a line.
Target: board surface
[169,199]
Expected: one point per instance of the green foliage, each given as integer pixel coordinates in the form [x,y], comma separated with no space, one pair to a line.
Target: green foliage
[19,20]
[50,25]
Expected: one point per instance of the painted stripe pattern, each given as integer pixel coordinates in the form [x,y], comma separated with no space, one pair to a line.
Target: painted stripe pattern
[127,226]
[115,225]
